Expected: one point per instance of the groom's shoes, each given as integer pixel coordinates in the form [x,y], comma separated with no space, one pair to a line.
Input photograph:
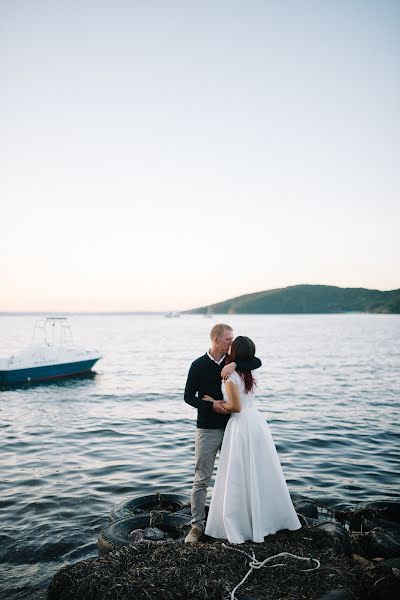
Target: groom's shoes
[194,535]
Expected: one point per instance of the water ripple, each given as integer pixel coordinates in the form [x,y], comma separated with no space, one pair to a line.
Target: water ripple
[73,449]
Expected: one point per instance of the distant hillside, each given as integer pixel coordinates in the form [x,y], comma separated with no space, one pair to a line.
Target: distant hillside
[308,299]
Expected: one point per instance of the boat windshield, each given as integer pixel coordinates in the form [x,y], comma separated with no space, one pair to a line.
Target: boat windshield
[52,331]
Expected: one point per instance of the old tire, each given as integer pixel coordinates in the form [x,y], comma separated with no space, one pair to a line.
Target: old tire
[386,509]
[116,535]
[144,504]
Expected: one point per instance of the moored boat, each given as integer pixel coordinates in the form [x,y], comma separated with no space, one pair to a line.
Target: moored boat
[52,355]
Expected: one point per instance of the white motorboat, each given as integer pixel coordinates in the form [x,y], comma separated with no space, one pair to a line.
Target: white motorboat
[52,355]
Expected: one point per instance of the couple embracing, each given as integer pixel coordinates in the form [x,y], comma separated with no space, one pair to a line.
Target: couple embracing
[250,498]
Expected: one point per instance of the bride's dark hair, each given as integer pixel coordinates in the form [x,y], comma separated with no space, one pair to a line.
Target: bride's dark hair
[243,349]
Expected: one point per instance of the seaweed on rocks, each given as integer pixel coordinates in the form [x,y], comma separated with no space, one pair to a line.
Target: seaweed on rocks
[210,571]
[368,515]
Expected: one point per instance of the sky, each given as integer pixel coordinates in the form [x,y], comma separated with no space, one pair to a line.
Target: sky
[165,155]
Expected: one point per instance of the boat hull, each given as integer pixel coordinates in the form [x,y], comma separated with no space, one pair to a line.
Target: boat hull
[46,372]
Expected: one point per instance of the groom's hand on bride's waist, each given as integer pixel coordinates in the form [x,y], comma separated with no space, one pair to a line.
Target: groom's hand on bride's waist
[208,398]
[218,407]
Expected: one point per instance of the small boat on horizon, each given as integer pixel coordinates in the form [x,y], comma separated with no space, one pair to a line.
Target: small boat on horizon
[51,355]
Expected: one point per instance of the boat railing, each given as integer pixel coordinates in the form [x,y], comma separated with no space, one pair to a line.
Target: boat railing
[52,331]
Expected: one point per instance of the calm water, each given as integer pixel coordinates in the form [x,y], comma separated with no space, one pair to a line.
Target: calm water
[330,389]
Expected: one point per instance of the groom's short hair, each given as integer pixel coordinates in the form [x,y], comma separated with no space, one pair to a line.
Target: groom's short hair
[218,330]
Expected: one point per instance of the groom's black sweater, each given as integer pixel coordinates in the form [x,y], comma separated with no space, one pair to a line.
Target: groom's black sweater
[204,378]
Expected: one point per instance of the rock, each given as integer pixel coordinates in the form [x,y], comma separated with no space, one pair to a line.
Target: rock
[391,563]
[361,559]
[137,535]
[307,521]
[340,533]
[306,507]
[386,589]
[365,521]
[384,543]
[360,543]
[377,543]
[337,595]
[368,523]
[387,509]
[377,559]
[153,533]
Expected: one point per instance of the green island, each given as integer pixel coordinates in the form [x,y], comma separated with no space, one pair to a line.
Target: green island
[308,299]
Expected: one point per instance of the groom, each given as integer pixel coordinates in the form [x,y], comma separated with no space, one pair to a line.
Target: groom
[204,381]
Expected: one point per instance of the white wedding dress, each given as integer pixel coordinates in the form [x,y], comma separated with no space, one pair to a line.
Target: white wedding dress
[250,498]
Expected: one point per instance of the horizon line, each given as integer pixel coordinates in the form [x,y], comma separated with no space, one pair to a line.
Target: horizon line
[186,310]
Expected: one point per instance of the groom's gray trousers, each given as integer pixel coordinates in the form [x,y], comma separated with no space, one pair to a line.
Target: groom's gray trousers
[207,444]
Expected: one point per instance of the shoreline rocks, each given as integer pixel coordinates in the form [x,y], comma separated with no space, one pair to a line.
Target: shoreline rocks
[355,561]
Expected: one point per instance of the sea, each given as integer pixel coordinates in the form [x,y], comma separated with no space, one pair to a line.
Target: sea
[72,450]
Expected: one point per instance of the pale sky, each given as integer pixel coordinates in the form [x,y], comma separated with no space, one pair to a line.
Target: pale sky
[164,155]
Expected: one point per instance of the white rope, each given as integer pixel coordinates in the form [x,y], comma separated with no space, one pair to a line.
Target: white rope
[256,564]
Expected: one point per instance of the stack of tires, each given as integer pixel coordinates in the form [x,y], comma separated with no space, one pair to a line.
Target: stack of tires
[155,517]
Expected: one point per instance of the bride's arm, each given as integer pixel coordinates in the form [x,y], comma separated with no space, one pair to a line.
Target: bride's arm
[233,405]
[242,365]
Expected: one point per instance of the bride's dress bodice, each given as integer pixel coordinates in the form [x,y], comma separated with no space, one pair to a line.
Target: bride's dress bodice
[246,400]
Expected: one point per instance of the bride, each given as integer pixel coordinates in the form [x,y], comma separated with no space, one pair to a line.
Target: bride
[250,498]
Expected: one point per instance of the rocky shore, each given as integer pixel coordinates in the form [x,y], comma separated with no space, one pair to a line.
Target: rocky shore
[336,555]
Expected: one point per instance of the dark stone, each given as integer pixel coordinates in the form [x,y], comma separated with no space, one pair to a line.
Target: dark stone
[386,589]
[137,535]
[306,507]
[340,533]
[295,496]
[368,523]
[308,521]
[385,543]
[360,543]
[153,533]
[391,563]
[387,509]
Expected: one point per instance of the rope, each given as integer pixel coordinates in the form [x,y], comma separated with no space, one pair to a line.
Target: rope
[256,564]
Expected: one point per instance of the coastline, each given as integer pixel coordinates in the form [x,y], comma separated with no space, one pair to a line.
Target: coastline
[336,555]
